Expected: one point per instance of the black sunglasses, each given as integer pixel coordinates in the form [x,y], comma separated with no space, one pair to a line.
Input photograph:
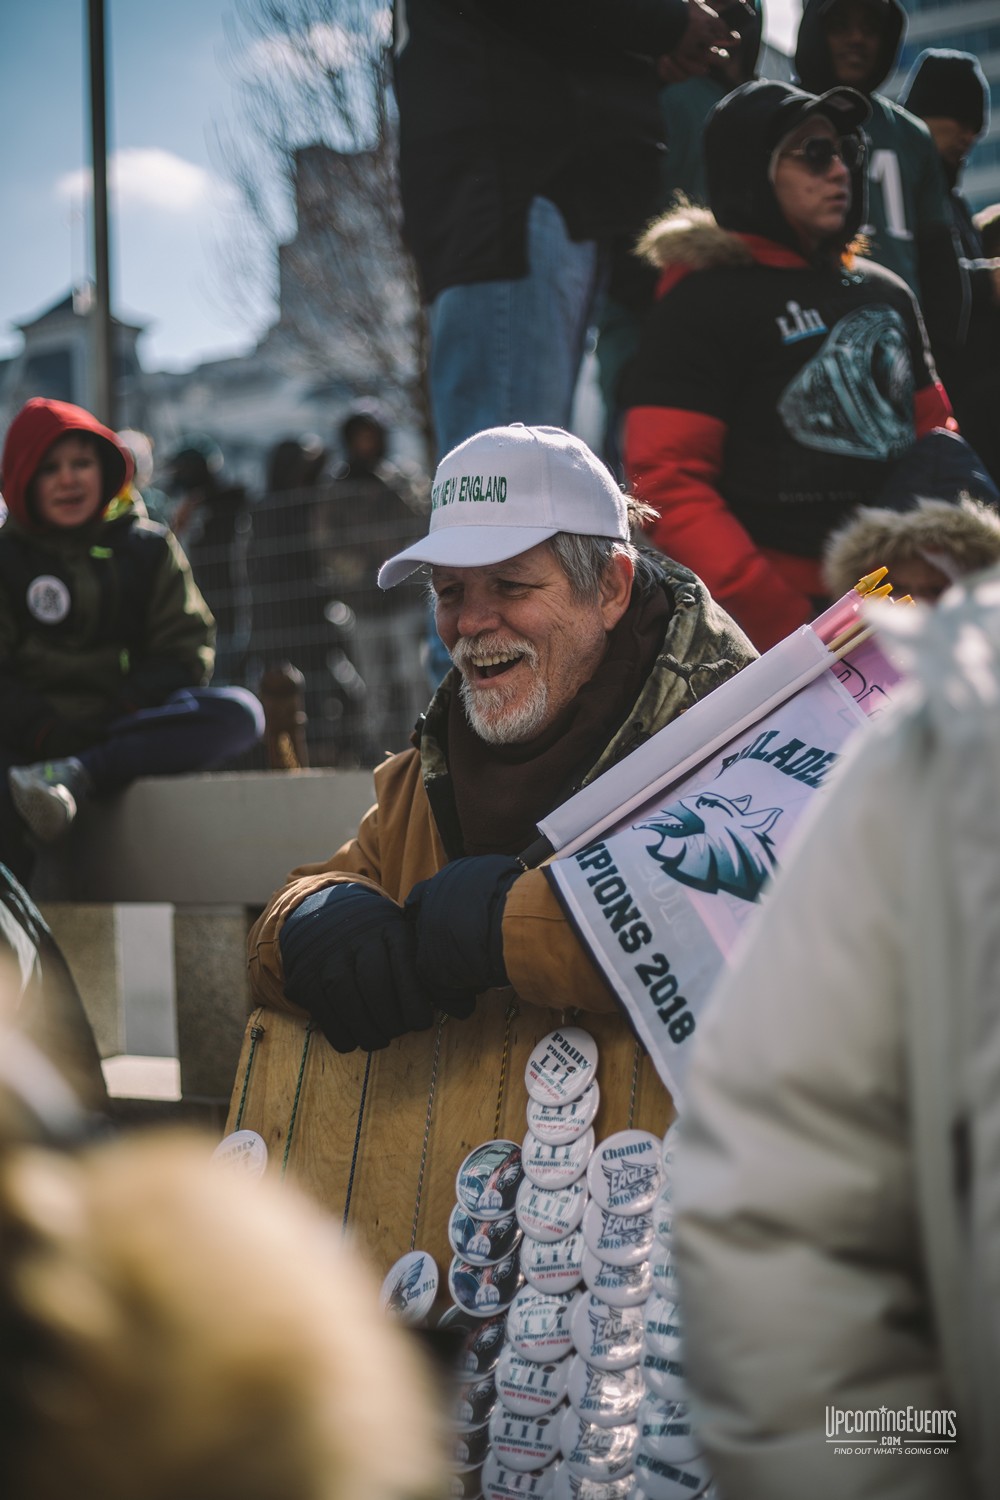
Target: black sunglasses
[818,152]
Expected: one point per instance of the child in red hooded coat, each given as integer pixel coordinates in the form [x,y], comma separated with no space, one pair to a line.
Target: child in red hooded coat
[106,644]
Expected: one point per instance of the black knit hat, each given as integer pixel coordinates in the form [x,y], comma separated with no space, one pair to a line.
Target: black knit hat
[950,85]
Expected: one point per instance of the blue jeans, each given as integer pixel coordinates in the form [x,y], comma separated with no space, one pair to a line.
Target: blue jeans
[194,730]
[510,351]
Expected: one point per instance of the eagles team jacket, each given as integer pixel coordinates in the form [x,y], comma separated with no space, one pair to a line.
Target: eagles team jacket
[908,225]
[769,398]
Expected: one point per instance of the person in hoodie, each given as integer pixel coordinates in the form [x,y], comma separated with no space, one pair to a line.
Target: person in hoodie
[949,92]
[854,44]
[106,644]
[780,379]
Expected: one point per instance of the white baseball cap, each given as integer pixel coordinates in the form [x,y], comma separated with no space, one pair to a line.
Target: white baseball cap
[505,490]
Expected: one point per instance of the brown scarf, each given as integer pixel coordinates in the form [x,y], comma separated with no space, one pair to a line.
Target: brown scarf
[501,791]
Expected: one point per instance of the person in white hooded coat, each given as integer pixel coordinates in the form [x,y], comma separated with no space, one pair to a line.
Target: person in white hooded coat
[838,1175]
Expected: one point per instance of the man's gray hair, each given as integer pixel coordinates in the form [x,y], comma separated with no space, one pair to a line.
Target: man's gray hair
[586,559]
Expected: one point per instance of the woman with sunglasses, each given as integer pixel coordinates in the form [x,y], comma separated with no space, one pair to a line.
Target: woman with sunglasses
[780,376]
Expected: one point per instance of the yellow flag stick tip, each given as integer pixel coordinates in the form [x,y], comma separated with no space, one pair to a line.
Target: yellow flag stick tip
[866,584]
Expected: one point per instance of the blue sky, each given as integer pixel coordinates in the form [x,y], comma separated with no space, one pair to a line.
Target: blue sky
[170,95]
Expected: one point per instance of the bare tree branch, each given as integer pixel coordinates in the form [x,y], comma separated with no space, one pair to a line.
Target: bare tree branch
[314,161]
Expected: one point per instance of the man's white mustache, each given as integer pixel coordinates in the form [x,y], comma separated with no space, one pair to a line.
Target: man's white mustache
[469,649]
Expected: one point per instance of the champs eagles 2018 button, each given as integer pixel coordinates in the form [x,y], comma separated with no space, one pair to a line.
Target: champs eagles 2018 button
[625,1173]
[621,1286]
[609,1338]
[617,1239]
[598,1453]
[609,1398]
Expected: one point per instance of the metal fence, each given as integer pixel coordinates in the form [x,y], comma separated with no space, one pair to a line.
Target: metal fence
[292,580]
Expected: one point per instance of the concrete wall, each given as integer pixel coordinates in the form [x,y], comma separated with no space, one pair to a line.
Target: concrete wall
[152,894]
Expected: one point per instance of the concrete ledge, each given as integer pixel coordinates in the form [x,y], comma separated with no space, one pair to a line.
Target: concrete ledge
[225,838]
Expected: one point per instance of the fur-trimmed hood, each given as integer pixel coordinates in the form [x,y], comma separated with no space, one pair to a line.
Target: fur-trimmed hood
[689,239]
[958,539]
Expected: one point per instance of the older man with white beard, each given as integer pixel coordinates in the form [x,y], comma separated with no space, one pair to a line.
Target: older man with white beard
[570,647]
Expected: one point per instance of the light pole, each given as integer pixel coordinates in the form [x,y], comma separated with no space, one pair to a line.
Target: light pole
[101,329]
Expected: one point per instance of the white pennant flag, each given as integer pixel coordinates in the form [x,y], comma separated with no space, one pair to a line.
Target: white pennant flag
[660,899]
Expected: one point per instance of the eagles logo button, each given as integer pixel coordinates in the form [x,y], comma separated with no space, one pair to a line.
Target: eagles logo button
[550,1213]
[558,1124]
[464,1484]
[598,1453]
[625,1173]
[562,1066]
[553,1265]
[484,1290]
[409,1290]
[488,1180]
[607,1397]
[482,1242]
[469,1449]
[479,1349]
[617,1239]
[473,1404]
[552,1166]
[609,1338]
[538,1325]
[528,1388]
[621,1286]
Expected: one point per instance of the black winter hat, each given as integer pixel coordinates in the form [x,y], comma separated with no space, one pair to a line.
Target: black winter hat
[740,137]
[948,84]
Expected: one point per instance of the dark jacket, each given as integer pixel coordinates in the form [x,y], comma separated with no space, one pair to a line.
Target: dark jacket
[908,226]
[771,394]
[96,620]
[499,104]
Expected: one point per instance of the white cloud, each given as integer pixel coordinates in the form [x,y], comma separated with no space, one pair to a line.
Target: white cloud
[146,177]
[317,50]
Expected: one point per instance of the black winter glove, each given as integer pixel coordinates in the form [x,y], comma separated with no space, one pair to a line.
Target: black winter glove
[349,958]
[459,914]
[69,736]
